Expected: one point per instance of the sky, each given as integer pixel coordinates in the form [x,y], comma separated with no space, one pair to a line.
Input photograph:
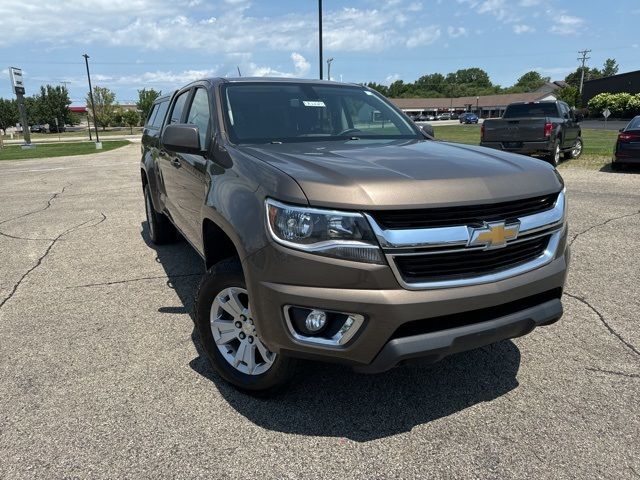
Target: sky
[164,44]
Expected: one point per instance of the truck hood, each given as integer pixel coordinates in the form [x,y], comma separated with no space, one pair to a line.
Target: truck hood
[384,174]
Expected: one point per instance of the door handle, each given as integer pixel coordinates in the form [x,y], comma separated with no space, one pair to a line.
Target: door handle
[176,163]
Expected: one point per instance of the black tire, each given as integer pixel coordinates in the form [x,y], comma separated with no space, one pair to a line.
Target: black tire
[224,275]
[553,157]
[575,151]
[161,230]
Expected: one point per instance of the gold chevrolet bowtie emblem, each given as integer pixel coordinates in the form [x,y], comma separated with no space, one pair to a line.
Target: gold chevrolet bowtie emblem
[493,234]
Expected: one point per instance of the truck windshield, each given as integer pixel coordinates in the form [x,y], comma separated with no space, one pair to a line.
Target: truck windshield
[303,112]
[532,110]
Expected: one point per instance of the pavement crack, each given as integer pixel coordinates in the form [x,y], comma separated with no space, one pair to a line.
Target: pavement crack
[613,372]
[24,238]
[575,237]
[14,289]
[48,205]
[611,330]
[138,279]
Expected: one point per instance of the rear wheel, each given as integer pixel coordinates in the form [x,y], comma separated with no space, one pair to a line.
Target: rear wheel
[229,336]
[575,151]
[554,156]
[161,230]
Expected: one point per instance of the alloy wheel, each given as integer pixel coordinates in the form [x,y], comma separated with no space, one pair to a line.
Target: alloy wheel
[235,335]
[577,149]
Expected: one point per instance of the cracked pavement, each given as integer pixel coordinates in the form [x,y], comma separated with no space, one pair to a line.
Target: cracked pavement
[100,376]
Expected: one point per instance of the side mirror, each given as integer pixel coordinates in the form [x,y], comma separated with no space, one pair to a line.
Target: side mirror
[621,130]
[181,138]
[428,129]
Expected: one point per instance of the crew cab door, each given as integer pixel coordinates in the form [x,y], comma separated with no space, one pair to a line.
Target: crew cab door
[571,127]
[170,163]
[190,177]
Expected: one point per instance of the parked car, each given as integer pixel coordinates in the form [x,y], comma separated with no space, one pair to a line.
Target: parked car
[444,116]
[468,118]
[627,149]
[329,238]
[37,128]
[53,128]
[551,129]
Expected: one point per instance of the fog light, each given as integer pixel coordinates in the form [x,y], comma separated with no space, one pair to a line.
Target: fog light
[316,320]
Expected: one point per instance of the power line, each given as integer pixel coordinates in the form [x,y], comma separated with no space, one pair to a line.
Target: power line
[583,59]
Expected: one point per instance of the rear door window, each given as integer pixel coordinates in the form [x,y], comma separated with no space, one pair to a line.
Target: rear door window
[152,115]
[160,114]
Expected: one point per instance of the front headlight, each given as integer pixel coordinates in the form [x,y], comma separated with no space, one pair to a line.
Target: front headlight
[345,235]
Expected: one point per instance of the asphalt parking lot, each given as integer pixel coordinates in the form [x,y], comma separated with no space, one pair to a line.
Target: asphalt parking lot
[101,375]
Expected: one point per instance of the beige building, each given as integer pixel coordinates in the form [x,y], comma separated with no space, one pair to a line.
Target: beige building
[486,106]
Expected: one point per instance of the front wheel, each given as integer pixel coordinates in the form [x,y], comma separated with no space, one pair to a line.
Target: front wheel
[228,333]
[575,151]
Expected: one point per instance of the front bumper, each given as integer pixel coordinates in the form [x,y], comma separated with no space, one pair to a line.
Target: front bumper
[278,276]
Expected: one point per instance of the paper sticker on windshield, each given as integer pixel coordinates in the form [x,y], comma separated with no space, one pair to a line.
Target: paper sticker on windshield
[367,92]
[314,103]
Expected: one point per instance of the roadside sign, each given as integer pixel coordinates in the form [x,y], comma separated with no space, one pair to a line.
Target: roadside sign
[17,82]
[606,113]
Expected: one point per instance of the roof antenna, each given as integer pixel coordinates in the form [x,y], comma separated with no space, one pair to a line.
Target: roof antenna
[238,67]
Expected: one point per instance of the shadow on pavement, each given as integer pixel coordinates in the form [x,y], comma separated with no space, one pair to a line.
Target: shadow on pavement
[623,169]
[331,400]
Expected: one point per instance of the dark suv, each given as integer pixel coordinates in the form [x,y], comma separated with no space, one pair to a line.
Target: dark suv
[333,228]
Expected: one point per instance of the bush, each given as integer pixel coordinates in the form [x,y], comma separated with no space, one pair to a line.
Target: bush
[620,104]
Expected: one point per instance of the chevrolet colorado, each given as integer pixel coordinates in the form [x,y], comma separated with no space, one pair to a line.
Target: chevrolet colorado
[333,228]
[548,128]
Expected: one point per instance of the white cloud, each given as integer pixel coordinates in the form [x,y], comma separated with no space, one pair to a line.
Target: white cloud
[224,27]
[566,24]
[522,28]
[455,32]
[426,36]
[392,78]
[300,63]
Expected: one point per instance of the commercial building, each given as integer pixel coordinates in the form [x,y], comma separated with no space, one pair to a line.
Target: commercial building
[623,83]
[486,106]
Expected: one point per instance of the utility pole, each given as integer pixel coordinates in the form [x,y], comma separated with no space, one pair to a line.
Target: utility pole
[583,59]
[329,60]
[93,104]
[320,36]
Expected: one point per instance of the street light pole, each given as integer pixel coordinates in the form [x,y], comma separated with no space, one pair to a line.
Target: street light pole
[477,107]
[329,60]
[320,36]
[93,104]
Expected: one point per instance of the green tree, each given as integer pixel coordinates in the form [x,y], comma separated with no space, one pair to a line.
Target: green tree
[383,89]
[52,103]
[8,113]
[131,119]
[529,82]
[104,105]
[145,100]
[610,67]
[569,94]
[589,74]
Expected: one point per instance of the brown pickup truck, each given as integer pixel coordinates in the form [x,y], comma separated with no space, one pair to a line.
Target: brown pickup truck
[333,228]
